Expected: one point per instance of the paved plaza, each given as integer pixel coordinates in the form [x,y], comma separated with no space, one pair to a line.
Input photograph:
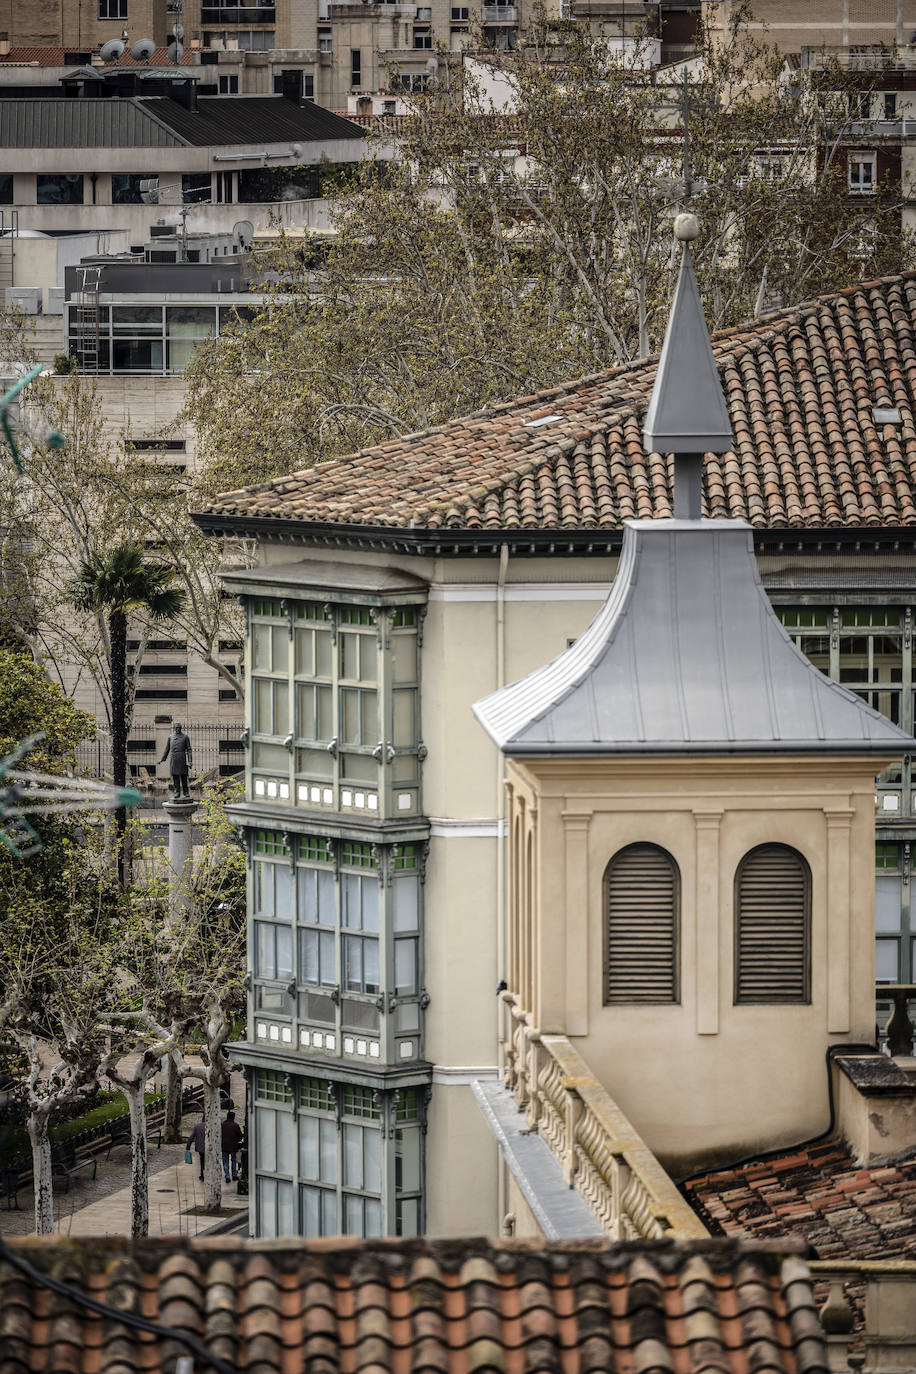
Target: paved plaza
[101,1206]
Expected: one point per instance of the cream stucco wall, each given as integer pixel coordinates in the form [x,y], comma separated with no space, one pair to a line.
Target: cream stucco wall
[476,637]
[703,1078]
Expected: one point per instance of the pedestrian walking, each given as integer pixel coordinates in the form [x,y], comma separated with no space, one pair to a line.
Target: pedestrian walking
[231,1140]
[197,1140]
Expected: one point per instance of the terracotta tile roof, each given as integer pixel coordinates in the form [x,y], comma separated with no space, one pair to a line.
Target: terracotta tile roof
[49,56]
[801,385]
[819,1195]
[414,1305]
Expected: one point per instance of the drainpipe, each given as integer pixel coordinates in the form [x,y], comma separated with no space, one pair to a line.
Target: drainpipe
[500,853]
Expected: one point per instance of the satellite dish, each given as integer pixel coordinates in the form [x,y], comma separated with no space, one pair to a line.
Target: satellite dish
[243,230]
[149,190]
[143,49]
[176,51]
[112,50]
[178,31]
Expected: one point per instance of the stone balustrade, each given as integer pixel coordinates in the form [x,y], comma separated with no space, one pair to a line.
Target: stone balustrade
[899,1028]
[601,1153]
[868,1312]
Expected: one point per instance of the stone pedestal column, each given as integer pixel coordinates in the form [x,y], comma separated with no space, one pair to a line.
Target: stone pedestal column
[181,828]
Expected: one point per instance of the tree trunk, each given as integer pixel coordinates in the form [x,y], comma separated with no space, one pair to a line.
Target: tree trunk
[171,1126]
[117,630]
[213,1157]
[139,1162]
[41,1171]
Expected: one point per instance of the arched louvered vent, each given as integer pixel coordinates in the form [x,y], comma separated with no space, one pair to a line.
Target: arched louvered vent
[641,932]
[772,926]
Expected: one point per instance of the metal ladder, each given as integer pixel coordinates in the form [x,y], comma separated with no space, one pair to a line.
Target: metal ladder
[85,318]
[8,235]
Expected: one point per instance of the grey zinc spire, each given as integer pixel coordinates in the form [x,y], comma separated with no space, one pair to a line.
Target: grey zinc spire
[687,654]
[687,414]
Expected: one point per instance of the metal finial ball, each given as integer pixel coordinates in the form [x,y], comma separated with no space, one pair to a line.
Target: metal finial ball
[686,227]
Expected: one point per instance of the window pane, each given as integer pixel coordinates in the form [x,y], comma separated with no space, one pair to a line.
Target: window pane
[407,1160]
[264,939]
[404,658]
[349,656]
[349,900]
[327,915]
[260,647]
[353,951]
[406,903]
[327,972]
[372,1157]
[64,188]
[349,724]
[370,965]
[267,1206]
[322,653]
[286,1147]
[405,733]
[353,1216]
[263,698]
[368,658]
[370,903]
[886,961]
[405,966]
[308,953]
[353,1156]
[329,1224]
[373,1217]
[311,1211]
[286,1221]
[281,708]
[285,952]
[327,1145]
[308,1147]
[408,1217]
[888,912]
[266,1139]
[284,890]
[306,879]
[369,717]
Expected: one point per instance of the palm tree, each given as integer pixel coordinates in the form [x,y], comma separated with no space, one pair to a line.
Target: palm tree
[114,585]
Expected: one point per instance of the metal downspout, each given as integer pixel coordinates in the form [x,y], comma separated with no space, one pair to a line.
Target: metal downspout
[500,855]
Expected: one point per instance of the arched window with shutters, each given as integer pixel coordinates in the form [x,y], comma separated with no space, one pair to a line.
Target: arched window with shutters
[773,926]
[642,912]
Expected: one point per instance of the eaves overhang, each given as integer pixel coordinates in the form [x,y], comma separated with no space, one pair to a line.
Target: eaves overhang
[536,543]
[260,815]
[332,1070]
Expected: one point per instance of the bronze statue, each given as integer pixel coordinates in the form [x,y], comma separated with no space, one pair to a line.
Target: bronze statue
[178,752]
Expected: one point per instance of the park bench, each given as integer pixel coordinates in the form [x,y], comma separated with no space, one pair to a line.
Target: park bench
[120,1135]
[66,1163]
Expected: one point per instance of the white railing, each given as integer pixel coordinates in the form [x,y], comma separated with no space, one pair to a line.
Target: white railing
[601,1153]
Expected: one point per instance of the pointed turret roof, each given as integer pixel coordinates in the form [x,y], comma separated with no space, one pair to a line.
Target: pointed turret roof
[687,411]
[686,656]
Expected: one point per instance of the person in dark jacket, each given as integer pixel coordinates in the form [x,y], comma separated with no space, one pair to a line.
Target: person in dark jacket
[197,1140]
[178,752]
[231,1140]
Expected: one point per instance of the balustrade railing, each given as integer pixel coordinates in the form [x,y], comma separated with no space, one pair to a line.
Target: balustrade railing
[600,1152]
[898,1030]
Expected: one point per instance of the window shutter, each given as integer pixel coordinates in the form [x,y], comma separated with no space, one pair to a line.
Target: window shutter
[772,924]
[641,894]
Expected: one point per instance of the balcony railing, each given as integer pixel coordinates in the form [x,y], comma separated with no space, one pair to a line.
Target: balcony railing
[601,1154]
[500,14]
[898,1030]
[238,14]
[861,59]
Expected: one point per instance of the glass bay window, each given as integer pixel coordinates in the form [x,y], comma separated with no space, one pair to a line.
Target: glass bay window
[335,720]
[336,941]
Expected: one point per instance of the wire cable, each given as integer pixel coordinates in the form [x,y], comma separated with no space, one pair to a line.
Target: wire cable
[104,1309]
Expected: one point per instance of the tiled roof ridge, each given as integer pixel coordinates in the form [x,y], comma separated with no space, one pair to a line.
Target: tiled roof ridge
[750,336]
[447,1250]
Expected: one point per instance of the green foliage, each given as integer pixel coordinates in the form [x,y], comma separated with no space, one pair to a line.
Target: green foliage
[30,704]
[501,253]
[106,1107]
[63,363]
[123,580]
